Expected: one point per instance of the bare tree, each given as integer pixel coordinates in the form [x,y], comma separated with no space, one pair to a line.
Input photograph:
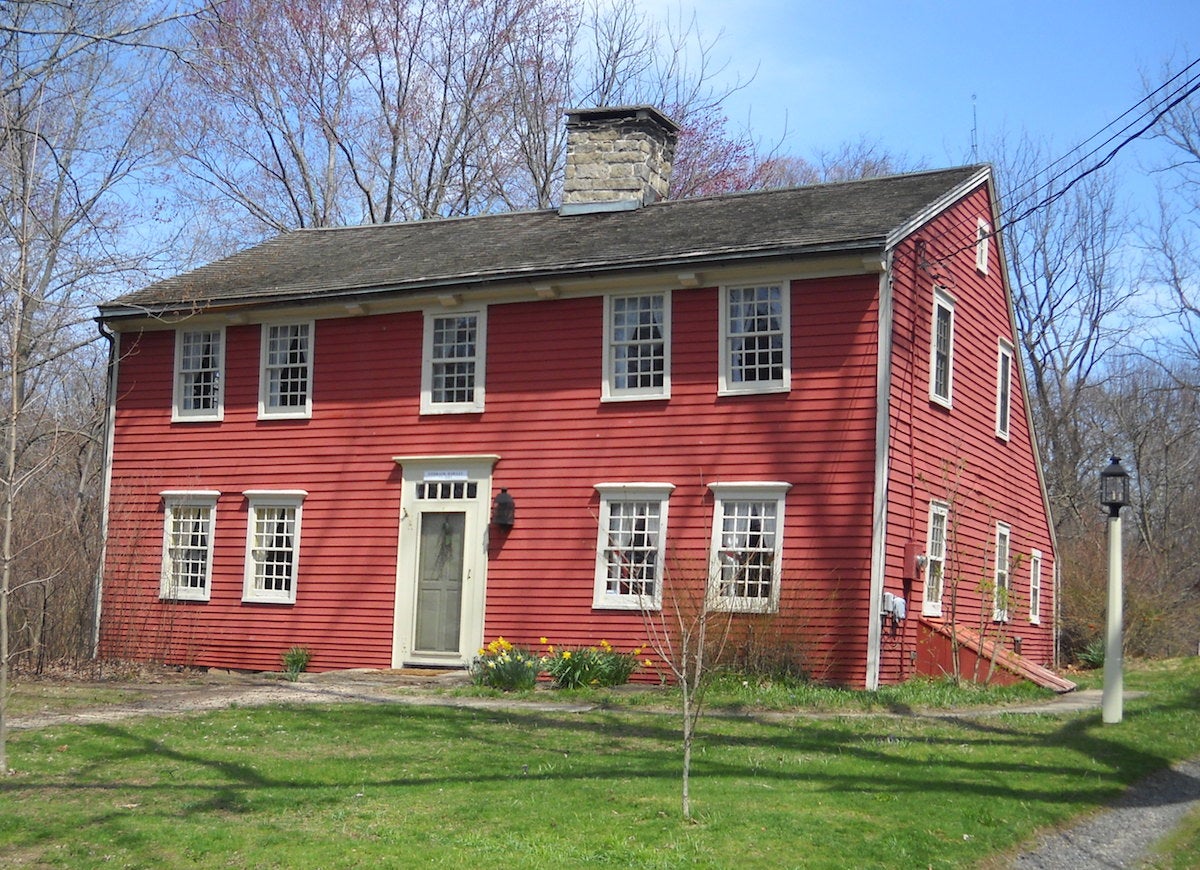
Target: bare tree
[851,161]
[1071,294]
[1173,242]
[69,140]
[688,633]
[326,112]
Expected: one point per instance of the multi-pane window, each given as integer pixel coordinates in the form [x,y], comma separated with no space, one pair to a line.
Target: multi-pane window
[983,232]
[286,370]
[1002,589]
[756,343]
[637,342]
[1004,363]
[189,520]
[453,374]
[1035,586]
[632,540]
[272,546]
[747,546]
[199,360]
[935,559]
[941,364]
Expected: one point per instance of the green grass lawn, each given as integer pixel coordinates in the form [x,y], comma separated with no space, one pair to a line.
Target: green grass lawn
[404,786]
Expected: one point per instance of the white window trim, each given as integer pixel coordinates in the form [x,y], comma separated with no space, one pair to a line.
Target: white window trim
[723,492]
[1002,578]
[620,492]
[264,498]
[178,414]
[264,387]
[726,386]
[428,406]
[1035,586]
[172,499]
[941,299]
[929,606]
[609,391]
[1003,389]
[983,234]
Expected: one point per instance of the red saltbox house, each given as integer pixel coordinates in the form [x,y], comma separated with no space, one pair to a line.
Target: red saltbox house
[393,443]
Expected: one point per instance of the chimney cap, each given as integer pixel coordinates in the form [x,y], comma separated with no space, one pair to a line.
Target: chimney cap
[615,113]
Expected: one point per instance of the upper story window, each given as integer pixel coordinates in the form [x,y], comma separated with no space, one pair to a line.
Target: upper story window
[199,363]
[1004,364]
[935,559]
[1002,588]
[755,339]
[747,546]
[189,520]
[286,378]
[452,375]
[941,358]
[983,232]
[637,341]
[272,546]
[1035,586]
[631,545]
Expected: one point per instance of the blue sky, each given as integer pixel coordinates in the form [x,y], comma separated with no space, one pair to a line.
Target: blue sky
[904,73]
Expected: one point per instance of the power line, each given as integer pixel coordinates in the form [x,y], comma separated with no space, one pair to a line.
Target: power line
[1154,107]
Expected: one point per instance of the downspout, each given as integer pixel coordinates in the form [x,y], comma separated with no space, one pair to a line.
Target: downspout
[110,415]
[883,390]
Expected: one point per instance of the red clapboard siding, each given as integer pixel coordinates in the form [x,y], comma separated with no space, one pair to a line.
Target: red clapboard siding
[556,440]
[953,455]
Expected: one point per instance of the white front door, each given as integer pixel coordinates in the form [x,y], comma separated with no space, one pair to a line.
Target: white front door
[442,562]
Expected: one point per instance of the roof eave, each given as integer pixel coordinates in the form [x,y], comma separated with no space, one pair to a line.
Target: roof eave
[710,259]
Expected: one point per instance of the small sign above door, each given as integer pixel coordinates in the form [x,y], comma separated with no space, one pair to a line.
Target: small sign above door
[445,474]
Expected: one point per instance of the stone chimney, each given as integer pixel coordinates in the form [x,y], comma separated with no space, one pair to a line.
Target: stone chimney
[618,158]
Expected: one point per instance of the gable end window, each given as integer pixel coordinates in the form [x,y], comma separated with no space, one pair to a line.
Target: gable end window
[1002,585]
[199,366]
[941,358]
[745,562]
[637,343]
[286,377]
[935,559]
[631,545]
[1004,364]
[755,339]
[189,519]
[983,232]
[452,374]
[272,546]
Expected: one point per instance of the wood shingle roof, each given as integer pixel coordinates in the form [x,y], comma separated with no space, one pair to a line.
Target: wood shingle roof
[530,246]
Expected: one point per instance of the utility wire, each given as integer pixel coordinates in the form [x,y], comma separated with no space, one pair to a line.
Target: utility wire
[1157,106]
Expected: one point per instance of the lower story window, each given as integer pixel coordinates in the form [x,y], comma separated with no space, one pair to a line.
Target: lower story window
[189,520]
[1002,588]
[935,559]
[632,539]
[747,546]
[272,546]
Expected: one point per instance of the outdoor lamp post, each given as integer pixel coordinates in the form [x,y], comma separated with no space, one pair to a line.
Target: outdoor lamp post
[1114,494]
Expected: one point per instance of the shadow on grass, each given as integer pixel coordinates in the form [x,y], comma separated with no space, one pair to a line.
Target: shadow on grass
[913,756]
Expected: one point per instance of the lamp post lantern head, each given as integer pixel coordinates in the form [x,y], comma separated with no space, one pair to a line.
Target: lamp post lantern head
[1114,487]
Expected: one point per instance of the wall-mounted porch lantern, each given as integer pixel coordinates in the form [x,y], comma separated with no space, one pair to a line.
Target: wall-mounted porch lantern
[504,509]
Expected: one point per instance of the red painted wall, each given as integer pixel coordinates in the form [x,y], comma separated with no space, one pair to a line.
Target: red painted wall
[556,440]
[954,455]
